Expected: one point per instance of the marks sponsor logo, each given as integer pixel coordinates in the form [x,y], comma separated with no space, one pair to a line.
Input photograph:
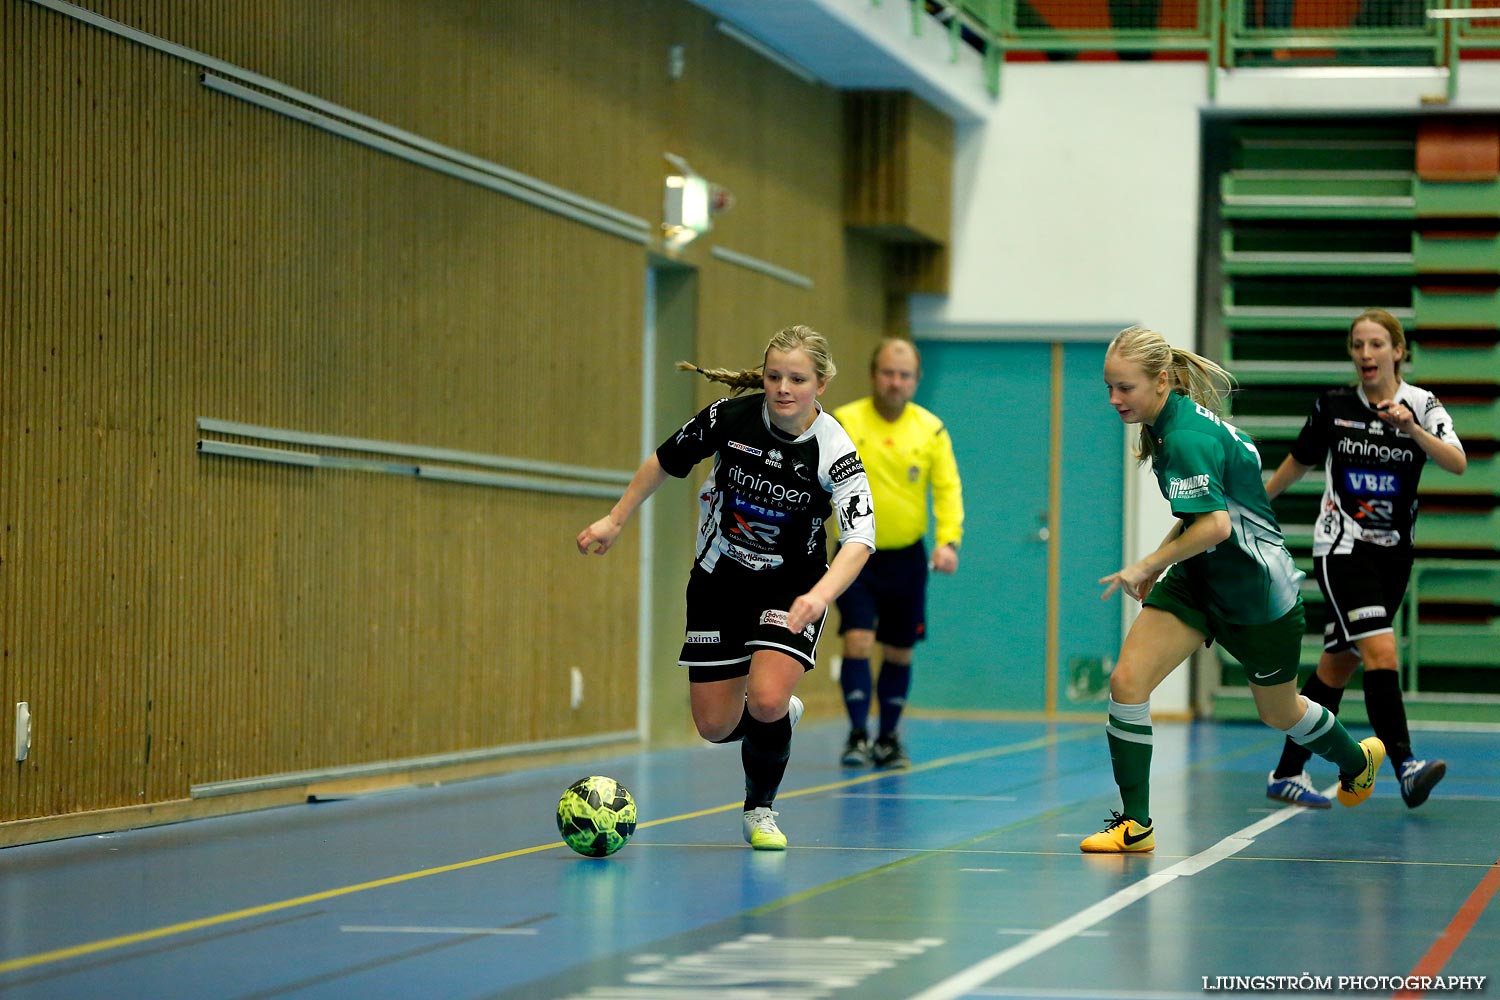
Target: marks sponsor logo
[773,458]
[1187,488]
[1366,613]
[1341,422]
[702,638]
[745,448]
[846,466]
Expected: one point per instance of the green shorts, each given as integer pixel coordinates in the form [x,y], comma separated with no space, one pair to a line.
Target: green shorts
[1269,652]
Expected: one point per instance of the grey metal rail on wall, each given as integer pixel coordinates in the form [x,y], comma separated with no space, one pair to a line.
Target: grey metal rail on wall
[1227,34]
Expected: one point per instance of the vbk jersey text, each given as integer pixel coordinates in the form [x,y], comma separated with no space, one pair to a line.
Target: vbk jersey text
[766,499]
[1373,469]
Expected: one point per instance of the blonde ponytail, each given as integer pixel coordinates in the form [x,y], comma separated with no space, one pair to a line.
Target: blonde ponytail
[1192,375]
[792,338]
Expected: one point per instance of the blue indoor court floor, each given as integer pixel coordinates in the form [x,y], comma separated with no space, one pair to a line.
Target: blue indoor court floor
[958,878]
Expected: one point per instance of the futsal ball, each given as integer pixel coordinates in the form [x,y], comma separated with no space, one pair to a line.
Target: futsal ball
[596,816]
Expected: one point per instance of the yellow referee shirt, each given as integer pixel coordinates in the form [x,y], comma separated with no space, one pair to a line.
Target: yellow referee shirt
[901,459]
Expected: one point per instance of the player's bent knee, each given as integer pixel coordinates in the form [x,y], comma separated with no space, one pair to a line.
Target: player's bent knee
[765,708]
[714,730]
[858,644]
[1278,718]
[1126,689]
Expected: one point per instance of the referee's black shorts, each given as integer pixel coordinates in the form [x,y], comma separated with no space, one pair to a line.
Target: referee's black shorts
[889,597]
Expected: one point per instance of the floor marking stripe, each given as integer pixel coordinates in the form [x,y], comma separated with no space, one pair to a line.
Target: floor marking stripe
[124,940]
[968,980]
[1453,935]
[1061,994]
[1040,743]
[364,929]
[930,798]
[106,944]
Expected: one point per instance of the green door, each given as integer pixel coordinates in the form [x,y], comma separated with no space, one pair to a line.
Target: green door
[1025,593]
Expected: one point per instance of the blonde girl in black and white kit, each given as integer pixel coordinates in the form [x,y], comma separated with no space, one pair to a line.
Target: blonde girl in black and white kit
[1374,437]
[761,582]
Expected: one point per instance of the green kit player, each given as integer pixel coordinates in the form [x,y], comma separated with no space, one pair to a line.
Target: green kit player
[1225,576]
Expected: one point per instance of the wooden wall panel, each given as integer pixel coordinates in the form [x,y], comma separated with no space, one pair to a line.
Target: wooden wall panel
[176,619]
[898,167]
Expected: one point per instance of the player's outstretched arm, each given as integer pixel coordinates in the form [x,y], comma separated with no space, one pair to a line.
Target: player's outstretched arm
[599,536]
[1137,579]
[1288,472]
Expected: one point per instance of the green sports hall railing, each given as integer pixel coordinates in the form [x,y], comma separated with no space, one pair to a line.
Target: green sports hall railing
[1222,33]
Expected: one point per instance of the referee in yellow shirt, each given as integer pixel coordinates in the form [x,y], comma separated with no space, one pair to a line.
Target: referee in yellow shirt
[905,449]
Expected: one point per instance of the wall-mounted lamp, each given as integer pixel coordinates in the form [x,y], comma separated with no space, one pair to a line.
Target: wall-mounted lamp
[689,204]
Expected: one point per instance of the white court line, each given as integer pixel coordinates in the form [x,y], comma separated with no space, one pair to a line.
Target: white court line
[938,798]
[369,929]
[968,981]
[1058,994]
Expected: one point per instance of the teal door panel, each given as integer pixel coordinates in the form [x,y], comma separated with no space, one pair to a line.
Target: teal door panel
[986,624]
[1090,539]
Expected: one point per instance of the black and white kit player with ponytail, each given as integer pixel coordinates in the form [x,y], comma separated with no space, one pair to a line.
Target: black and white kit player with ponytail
[1373,438]
[761,582]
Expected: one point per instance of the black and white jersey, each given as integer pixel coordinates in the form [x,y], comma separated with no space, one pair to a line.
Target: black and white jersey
[768,496]
[1373,469]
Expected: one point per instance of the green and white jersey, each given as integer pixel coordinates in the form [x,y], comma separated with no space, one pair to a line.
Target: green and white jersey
[1203,464]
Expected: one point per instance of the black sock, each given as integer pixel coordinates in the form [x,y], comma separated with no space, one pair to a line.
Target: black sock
[1294,756]
[1388,714]
[892,688]
[854,678]
[739,729]
[764,752]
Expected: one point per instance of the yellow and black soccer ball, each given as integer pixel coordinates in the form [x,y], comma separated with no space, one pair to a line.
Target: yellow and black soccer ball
[596,816]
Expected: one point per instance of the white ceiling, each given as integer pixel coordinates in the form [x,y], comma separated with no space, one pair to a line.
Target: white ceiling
[865,45]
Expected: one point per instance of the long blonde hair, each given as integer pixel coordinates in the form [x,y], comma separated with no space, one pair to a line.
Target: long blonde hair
[1192,375]
[792,338]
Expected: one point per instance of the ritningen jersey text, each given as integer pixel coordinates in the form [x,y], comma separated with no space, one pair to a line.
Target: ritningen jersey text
[768,496]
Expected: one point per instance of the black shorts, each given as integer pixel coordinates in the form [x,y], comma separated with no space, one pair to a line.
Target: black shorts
[1362,592]
[890,597]
[734,611]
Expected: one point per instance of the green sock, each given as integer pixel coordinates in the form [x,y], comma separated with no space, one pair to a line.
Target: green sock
[1322,733]
[1129,732]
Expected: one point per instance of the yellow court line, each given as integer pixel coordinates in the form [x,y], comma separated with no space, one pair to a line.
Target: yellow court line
[124,940]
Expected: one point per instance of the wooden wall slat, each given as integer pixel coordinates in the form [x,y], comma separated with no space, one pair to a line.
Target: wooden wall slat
[170,252]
